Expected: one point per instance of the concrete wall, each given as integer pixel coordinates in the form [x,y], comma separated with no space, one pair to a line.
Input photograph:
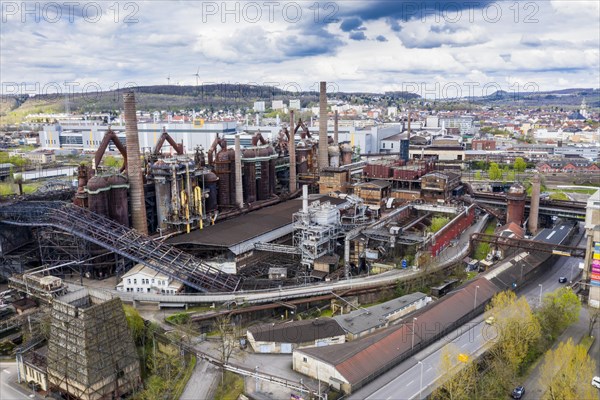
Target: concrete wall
[275,347]
[314,368]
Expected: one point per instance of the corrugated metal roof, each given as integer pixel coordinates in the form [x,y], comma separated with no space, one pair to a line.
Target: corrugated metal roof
[372,355]
[365,319]
[297,331]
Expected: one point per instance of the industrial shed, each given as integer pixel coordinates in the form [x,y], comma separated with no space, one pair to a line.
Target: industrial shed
[288,336]
[356,363]
[365,321]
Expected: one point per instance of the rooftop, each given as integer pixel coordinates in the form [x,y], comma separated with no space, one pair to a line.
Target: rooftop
[297,331]
[248,226]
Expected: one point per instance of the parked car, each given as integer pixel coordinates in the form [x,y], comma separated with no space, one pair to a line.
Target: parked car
[596,382]
[518,392]
[562,279]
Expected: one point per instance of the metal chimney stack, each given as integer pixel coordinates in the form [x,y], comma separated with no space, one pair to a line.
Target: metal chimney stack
[335,129]
[239,195]
[305,198]
[408,128]
[292,153]
[134,166]
[323,145]
[534,208]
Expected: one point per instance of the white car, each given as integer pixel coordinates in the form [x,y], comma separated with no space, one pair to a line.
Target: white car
[596,381]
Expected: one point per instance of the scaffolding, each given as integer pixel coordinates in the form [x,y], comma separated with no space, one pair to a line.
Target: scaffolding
[316,229]
[110,235]
[91,353]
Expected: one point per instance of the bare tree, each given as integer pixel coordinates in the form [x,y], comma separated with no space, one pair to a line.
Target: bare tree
[593,320]
[226,332]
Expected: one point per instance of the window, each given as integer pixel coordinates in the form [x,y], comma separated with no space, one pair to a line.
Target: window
[304,359]
[134,281]
[152,280]
[392,145]
[383,145]
[129,280]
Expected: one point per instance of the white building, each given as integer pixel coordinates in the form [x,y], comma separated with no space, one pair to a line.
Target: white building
[259,106]
[392,111]
[143,279]
[277,105]
[294,104]
[88,137]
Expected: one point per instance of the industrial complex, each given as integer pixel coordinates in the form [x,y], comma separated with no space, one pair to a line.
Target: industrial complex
[268,226]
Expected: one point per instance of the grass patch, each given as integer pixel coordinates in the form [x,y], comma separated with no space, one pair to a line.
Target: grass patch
[178,318]
[558,196]
[187,374]
[482,249]
[9,189]
[582,191]
[232,387]
[587,342]
[327,313]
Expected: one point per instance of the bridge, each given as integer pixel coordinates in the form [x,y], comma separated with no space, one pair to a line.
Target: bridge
[126,242]
[530,245]
[558,208]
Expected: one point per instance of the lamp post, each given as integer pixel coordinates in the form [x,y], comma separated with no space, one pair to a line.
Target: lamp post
[413,333]
[541,288]
[421,382]
[571,274]
[475,300]
[521,272]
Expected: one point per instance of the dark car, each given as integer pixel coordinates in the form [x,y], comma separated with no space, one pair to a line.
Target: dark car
[562,279]
[518,392]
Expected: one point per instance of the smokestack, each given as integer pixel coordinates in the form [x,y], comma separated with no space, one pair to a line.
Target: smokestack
[292,152]
[305,198]
[134,166]
[408,128]
[323,155]
[239,195]
[335,129]
[534,208]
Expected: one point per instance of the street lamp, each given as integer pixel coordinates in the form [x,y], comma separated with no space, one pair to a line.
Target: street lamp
[421,382]
[541,288]
[521,271]
[475,300]
[413,333]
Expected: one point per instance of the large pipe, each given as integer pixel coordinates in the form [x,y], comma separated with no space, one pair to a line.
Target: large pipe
[323,145]
[134,166]
[239,195]
[292,153]
[335,129]
[534,208]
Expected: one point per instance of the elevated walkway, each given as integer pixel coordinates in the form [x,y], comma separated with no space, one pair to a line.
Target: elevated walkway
[121,240]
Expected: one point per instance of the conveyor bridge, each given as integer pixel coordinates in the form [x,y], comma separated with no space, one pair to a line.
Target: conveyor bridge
[124,241]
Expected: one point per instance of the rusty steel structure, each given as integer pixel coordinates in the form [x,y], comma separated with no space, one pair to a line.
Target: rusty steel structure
[134,166]
[516,197]
[128,243]
[292,152]
[109,136]
[178,147]
[531,245]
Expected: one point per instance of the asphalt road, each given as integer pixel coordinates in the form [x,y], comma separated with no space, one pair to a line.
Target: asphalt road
[405,380]
[9,388]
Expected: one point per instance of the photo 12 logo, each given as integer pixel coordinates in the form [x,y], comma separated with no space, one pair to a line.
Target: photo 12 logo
[69,11]
[268,11]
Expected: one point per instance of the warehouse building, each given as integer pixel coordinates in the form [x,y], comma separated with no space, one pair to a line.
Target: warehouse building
[289,336]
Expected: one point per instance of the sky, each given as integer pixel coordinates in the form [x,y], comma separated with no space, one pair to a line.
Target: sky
[437,49]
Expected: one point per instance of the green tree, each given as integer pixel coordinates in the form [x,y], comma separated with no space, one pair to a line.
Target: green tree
[567,372]
[459,379]
[135,323]
[519,165]
[113,162]
[560,309]
[438,223]
[478,175]
[494,172]
[518,329]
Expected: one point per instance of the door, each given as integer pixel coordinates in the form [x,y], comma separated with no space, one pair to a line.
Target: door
[286,348]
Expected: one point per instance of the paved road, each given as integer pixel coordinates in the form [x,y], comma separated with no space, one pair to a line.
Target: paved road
[404,381]
[9,388]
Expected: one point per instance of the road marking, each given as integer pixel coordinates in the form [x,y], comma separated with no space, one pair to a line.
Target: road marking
[464,345]
[429,369]
[410,382]
[6,371]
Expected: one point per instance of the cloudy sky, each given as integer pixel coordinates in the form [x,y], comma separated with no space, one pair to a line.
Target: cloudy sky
[433,48]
